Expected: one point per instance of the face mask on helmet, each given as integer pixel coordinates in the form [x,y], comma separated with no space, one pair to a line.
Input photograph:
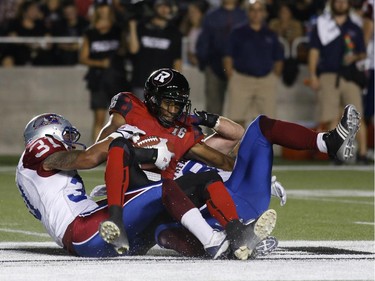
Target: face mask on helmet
[55,126]
[167,96]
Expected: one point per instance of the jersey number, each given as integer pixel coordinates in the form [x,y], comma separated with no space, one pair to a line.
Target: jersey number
[179,131]
[79,193]
[43,148]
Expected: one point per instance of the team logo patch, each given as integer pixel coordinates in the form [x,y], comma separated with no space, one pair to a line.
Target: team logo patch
[162,77]
[47,120]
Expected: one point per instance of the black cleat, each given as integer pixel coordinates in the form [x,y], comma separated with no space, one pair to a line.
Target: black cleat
[340,141]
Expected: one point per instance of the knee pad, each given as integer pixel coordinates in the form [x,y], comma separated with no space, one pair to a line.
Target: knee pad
[126,146]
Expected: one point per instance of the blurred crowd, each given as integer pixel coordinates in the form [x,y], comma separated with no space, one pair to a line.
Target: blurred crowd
[239,45]
[70,18]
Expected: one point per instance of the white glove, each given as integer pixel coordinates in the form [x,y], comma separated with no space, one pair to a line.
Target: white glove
[99,190]
[278,191]
[128,132]
[164,155]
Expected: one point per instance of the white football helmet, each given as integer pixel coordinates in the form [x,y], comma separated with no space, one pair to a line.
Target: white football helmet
[53,125]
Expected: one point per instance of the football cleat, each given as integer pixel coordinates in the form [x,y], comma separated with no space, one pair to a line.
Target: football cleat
[112,234]
[261,229]
[265,247]
[340,141]
[218,245]
[245,238]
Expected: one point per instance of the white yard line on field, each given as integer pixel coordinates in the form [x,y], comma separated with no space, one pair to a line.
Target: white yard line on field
[24,232]
[294,260]
[364,222]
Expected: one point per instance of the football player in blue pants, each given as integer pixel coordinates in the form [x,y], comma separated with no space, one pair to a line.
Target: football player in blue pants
[249,182]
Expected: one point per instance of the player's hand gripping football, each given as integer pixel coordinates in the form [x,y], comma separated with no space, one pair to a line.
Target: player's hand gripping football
[128,132]
[164,155]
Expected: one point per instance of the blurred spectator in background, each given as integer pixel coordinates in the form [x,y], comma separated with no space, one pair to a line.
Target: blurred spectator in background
[191,27]
[336,44]
[217,25]
[368,98]
[253,64]
[303,10]
[285,25]
[52,13]
[288,29]
[83,7]
[102,51]
[70,25]
[8,11]
[28,23]
[154,44]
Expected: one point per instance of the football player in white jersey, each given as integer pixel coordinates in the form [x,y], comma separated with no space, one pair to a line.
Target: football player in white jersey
[72,218]
[55,194]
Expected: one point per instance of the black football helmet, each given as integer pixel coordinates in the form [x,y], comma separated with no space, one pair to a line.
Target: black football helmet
[167,83]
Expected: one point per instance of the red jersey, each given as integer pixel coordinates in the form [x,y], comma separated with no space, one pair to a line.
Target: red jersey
[181,137]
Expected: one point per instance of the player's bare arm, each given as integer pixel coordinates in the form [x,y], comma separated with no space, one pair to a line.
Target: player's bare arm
[78,159]
[226,137]
[115,121]
[210,156]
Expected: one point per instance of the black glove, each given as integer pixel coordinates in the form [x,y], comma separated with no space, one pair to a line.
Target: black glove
[205,118]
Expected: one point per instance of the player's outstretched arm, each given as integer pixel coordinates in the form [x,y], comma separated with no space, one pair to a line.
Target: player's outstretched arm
[227,132]
[78,159]
[210,156]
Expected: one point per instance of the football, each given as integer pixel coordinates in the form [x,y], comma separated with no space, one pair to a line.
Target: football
[147,142]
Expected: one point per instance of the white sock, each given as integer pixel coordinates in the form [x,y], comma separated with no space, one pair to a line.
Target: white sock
[322,146]
[197,225]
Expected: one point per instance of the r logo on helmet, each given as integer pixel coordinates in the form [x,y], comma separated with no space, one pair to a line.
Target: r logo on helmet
[163,77]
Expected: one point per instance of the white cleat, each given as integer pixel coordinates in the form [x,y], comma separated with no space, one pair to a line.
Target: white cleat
[261,229]
[112,234]
[245,238]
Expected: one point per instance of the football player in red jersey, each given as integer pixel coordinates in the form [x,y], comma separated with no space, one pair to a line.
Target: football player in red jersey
[162,114]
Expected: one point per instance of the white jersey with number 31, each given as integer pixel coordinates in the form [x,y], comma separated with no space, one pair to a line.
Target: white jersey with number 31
[55,198]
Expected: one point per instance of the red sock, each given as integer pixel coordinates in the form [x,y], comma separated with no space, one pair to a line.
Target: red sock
[182,241]
[175,200]
[287,134]
[116,176]
[221,205]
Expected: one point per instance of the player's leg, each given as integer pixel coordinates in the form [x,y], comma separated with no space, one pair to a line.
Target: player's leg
[250,181]
[182,209]
[251,177]
[210,190]
[119,159]
[174,236]
[142,207]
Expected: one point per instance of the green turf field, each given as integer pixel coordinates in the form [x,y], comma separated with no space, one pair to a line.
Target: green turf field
[323,204]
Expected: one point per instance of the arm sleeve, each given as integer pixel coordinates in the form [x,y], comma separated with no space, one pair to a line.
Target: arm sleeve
[120,103]
[314,41]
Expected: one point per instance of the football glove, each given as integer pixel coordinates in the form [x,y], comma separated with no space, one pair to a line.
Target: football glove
[205,118]
[99,190]
[278,191]
[164,155]
[128,132]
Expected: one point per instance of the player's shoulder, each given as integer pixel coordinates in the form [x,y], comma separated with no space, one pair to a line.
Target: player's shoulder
[124,102]
[37,151]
